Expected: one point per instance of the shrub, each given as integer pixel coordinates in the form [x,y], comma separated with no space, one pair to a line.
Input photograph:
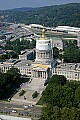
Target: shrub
[22,92]
[35,94]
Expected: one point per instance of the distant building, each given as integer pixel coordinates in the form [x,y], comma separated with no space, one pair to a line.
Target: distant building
[70,70]
[36,26]
[58,42]
[25,67]
[27,54]
[8,35]
[5,66]
[78,39]
[68,29]
[7,117]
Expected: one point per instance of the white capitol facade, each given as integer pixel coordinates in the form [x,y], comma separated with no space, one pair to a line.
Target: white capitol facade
[41,67]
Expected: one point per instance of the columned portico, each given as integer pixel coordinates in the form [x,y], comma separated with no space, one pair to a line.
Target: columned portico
[40,74]
[40,71]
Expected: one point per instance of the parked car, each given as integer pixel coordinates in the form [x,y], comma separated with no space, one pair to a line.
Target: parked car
[25,106]
[13,111]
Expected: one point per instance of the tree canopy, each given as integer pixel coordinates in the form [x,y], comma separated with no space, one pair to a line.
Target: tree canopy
[71,53]
[68,14]
[61,99]
[9,81]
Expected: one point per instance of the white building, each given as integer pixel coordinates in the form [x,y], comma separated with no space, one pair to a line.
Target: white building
[68,29]
[70,70]
[41,67]
[7,117]
[36,26]
[58,42]
[78,39]
[27,54]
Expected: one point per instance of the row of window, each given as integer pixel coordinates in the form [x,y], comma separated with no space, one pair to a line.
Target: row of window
[25,71]
[44,55]
[69,75]
[22,70]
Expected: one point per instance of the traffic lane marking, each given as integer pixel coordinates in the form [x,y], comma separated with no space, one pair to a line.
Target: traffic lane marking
[14,108]
[18,108]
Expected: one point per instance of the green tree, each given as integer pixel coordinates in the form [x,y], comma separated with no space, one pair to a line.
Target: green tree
[65,113]
[55,52]
[58,79]
[61,99]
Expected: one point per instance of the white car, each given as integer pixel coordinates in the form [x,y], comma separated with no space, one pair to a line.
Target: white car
[31,105]
[14,111]
[25,106]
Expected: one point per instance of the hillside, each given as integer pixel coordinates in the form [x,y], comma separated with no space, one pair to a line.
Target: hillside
[67,14]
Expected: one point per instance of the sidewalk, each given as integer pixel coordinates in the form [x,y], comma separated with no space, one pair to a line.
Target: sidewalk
[35,85]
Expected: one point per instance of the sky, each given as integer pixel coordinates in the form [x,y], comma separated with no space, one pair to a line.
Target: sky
[10,4]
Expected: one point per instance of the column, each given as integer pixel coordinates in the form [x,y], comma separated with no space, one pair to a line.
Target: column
[48,54]
[32,73]
[35,73]
[43,74]
[40,74]
[39,55]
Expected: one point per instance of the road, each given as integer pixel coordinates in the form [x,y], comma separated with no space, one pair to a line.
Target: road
[6,107]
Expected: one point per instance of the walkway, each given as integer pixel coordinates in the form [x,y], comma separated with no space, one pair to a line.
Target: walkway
[35,85]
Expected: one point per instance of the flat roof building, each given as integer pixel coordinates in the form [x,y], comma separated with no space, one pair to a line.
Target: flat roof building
[70,70]
[7,117]
[68,29]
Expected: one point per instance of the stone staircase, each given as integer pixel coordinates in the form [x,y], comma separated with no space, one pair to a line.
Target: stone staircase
[35,85]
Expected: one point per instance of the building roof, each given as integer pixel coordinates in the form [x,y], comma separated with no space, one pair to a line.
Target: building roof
[69,67]
[68,28]
[40,65]
[7,117]
[36,25]
[24,63]
[56,38]
[10,62]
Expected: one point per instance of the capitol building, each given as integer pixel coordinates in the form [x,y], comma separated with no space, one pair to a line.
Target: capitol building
[38,63]
[40,66]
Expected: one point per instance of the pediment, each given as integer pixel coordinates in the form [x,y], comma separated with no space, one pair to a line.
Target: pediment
[39,67]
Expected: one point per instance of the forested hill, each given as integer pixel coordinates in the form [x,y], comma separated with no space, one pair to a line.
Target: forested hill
[67,14]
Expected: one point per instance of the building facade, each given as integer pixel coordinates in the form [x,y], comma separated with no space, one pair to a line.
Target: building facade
[43,66]
[70,70]
[40,67]
[58,42]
